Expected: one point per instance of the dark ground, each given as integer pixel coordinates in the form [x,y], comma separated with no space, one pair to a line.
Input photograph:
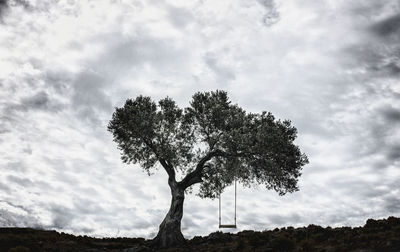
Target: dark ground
[374,236]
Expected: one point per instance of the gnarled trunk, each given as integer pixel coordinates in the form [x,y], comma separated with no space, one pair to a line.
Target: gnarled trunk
[170,233]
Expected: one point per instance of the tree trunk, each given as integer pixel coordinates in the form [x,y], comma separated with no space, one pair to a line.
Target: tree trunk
[170,233]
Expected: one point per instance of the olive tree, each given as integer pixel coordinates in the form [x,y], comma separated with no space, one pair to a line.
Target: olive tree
[211,142]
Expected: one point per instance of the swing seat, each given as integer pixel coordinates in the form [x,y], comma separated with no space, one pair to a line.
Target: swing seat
[227,226]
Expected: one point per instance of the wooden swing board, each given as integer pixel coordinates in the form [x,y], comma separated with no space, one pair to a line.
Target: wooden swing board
[227,226]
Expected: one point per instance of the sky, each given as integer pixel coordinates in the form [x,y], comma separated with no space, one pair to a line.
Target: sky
[332,67]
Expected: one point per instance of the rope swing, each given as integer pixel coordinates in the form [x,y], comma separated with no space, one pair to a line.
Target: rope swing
[227,225]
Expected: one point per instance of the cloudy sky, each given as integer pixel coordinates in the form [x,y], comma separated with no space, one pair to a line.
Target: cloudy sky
[331,66]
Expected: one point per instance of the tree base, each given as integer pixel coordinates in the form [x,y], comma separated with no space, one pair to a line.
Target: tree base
[169,234]
[165,239]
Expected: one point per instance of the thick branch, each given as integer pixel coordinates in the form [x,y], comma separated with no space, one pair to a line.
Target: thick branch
[195,176]
[167,167]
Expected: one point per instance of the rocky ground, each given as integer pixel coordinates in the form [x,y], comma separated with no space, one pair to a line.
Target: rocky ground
[374,236]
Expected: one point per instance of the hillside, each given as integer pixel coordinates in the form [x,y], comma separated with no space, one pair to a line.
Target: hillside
[374,236]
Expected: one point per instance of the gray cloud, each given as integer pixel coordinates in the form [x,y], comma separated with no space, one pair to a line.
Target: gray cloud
[387,27]
[89,97]
[180,17]
[377,60]
[368,9]
[356,186]
[391,114]
[24,182]
[16,166]
[379,52]
[393,153]
[382,127]
[21,180]
[189,223]
[3,130]
[224,73]
[10,219]
[21,207]
[382,130]
[278,219]
[374,63]
[37,101]
[392,204]
[6,4]
[124,56]
[58,80]
[61,216]
[141,223]
[5,188]
[256,221]
[272,15]
[127,53]
[3,6]
[87,206]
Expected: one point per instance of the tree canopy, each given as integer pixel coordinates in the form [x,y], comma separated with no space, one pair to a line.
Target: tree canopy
[211,142]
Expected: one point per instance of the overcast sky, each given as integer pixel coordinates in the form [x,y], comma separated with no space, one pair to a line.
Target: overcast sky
[332,67]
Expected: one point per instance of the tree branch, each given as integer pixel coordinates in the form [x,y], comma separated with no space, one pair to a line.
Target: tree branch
[167,167]
[195,176]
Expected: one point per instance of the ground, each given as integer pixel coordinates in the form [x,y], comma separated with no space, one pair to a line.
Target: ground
[375,236]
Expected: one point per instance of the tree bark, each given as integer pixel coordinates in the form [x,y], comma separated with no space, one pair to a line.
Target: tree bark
[170,234]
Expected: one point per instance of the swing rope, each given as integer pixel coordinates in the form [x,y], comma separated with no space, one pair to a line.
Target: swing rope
[224,225]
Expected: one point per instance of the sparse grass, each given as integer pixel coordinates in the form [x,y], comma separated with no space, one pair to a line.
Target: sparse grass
[375,236]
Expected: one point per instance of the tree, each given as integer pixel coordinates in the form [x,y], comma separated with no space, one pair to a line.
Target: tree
[212,142]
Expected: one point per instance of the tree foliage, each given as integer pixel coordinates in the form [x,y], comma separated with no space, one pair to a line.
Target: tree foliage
[212,141]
